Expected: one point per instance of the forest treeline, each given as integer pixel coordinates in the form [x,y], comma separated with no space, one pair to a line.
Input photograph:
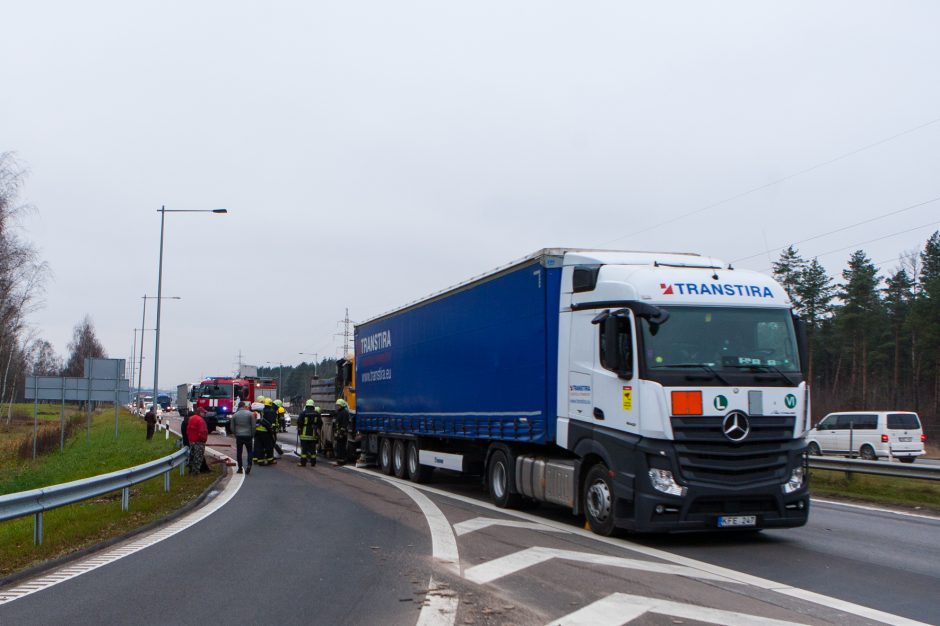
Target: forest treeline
[874,338]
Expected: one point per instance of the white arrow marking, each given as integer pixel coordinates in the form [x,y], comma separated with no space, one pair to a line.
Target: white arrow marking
[512,563]
[479,523]
[621,608]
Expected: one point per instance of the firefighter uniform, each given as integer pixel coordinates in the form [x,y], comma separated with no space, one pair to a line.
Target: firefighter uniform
[308,425]
[270,416]
[340,430]
[263,452]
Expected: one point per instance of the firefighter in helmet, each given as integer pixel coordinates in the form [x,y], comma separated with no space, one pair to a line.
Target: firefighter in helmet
[341,430]
[308,428]
[259,451]
[269,415]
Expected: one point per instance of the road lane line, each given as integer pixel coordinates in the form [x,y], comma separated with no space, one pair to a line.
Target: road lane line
[116,553]
[517,561]
[479,523]
[739,577]
[621,608]
[440,608]
[878,509]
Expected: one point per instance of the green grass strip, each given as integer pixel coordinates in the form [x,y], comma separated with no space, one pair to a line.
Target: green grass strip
[904,492]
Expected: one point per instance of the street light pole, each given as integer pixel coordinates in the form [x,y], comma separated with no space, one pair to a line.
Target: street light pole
[143,329]
[156,351]
[316,364]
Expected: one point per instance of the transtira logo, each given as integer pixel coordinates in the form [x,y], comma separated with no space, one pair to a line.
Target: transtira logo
[716,289]
[375,342]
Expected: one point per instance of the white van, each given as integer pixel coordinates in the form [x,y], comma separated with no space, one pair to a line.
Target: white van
[871,435]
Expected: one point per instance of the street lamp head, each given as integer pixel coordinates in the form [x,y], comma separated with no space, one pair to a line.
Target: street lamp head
[220,210]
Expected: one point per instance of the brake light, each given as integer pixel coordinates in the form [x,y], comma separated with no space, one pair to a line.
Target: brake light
[923,438]
[884,439]
[686,402]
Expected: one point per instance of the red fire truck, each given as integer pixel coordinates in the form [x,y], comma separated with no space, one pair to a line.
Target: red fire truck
[220,396]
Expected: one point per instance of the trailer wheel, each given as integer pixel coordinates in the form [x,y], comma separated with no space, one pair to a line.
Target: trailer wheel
[497,480]
[598,499]
[398,458]
[385,455]
[417,473]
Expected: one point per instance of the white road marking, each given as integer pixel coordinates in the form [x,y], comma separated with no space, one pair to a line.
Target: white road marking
[739,577]
[93,562]
[440,608]
[479,523]
[517,561]
[622,608]
[864,507]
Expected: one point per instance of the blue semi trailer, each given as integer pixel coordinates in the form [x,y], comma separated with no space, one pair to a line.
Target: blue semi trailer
[646,391]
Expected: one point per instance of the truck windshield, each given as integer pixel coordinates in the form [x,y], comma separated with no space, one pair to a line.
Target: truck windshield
[722,339]
[215,391]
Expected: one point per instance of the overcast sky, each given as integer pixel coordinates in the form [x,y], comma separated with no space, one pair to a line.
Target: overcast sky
[370,153]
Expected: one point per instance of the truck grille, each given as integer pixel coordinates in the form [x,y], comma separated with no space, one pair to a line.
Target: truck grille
[705,455]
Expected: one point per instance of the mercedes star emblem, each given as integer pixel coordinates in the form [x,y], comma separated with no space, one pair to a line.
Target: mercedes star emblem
[735,426]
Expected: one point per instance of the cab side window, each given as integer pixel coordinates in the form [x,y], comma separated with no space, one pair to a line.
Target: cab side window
[624,346]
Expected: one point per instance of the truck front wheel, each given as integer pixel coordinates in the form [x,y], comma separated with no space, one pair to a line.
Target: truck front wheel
[598,499]
[497,480]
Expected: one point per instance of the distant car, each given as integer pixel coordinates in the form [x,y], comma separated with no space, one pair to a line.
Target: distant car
[871,435]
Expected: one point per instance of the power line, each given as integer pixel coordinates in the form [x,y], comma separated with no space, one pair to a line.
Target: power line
[777,181]
[862,243]
[839,230]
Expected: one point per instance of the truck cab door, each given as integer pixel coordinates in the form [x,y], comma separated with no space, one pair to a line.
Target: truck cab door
[614,372]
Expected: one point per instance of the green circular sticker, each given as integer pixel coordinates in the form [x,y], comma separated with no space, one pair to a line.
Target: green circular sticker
[790,401]
[721,403]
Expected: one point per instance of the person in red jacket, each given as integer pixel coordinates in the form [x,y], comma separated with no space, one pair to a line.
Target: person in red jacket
[198,434]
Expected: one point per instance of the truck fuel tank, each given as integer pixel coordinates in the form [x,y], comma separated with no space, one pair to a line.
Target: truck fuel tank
[546,480]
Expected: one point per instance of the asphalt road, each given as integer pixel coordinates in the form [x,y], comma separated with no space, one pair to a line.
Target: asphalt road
[332,545]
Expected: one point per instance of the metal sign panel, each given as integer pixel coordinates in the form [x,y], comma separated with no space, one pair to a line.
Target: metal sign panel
[104,368]
[77,389]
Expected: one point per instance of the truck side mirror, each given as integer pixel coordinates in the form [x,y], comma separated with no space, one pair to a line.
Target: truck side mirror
[802,344]
[612,343]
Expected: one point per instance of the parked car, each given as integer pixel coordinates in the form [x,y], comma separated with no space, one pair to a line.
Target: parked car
[871,435]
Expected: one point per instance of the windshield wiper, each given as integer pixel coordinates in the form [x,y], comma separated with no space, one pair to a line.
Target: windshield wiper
[707,368]
[769,368]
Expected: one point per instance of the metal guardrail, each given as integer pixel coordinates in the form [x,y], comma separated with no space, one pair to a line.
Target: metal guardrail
[36,501]
[876,468]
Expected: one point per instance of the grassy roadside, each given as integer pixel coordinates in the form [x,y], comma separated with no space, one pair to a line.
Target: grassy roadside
[923,495]
[74,527]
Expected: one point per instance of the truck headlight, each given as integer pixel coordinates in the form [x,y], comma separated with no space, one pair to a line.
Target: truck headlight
[662,480]
[795,482]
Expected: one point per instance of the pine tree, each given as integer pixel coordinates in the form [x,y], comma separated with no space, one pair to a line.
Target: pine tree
[927,314]
[898,298]
[858,315]
[815,292]
[787,270]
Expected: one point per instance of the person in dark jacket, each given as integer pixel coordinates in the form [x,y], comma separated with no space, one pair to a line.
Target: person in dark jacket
[183,426]
[151,419]
[262,453]
[308,427]
[198,434]
[340,431]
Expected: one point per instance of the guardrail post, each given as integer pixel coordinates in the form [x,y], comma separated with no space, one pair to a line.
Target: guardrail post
[166,481]
[37,528]
[182,469]
[125,498]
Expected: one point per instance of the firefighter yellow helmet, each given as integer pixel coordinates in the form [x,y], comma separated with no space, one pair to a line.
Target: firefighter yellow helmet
[308,403]
[267,402]
[278,402]
[341,402]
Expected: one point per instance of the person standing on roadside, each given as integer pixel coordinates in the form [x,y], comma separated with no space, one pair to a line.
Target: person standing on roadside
[340,431]
[308,425]
[151,419]
[198,434]
[243,427]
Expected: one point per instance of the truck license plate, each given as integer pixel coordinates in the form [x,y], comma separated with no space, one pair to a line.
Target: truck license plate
[731,521]
[904,438]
